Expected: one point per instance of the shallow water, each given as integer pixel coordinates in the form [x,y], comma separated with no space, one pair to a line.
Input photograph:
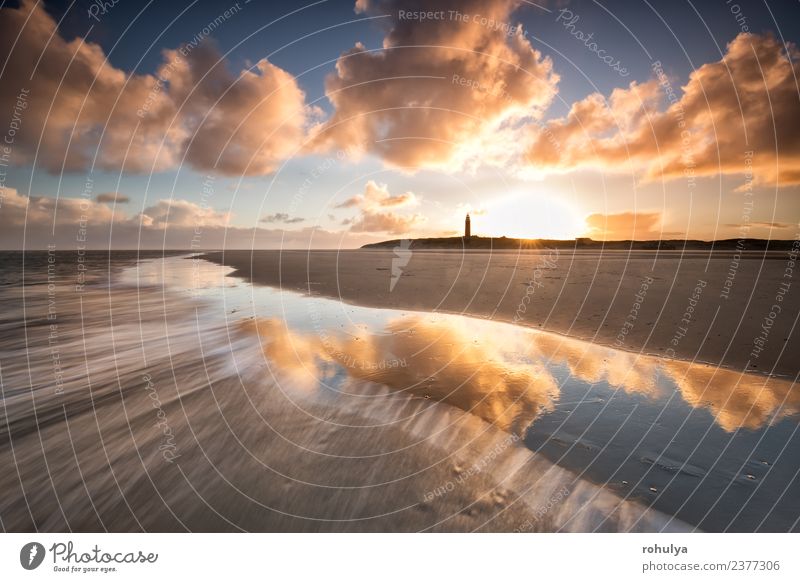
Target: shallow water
[189,399]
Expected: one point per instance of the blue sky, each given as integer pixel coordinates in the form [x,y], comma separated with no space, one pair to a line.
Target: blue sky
[682,35]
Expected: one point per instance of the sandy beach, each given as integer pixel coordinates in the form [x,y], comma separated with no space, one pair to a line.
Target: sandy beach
[200,410]
[170,395]
[716,308]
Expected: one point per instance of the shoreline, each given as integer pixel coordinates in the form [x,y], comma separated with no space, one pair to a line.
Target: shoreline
[590,304]
[349,479]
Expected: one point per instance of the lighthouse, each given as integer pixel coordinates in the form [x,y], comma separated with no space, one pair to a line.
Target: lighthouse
[466,227]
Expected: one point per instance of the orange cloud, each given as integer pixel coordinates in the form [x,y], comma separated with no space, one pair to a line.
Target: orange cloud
[376,196]
[745,102]
[439,92]
[373,214]
[166,213]
[431,359]
[624,226]
[36,221]
[19,210]
[111,197]
[234,124]
[244,124]
[282,217]
[385,222]
[467,364]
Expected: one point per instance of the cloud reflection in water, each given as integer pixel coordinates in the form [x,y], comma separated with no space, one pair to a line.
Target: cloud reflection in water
[508,375]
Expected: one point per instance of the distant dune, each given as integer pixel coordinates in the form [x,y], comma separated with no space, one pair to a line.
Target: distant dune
[505,243]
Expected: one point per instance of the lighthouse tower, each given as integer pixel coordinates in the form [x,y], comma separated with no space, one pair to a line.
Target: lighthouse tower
[467,233]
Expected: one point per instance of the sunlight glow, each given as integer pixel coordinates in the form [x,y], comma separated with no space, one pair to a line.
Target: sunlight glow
[526,215]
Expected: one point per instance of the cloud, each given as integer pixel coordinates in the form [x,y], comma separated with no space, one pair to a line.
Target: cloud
[65,213]
[36,221]
[349,203]
[439,92]
[761,224]
[282,217]
[462,208]
[376,196]
[166,213]
[244,124]
[19,210]
[385,222]
[746,101]
[374,216]
[75,105]
[625,226]
[493,384]
[111,197]
[445,94]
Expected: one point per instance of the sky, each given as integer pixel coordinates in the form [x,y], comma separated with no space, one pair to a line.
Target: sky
[335,123]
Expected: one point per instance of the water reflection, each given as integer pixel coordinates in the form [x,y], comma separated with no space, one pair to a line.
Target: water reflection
[712,447]
[506,375]
[709,446]
[168,418]
[736,400]
[437,357]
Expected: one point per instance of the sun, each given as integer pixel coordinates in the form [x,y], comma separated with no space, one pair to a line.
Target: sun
[526,215]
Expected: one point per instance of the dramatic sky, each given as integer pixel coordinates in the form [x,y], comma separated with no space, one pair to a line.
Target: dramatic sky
[333,123]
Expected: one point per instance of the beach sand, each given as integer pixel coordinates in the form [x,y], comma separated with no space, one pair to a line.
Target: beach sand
[178,417]
[716,308]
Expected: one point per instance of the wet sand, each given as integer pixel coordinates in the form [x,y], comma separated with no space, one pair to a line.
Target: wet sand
[693,306]
[171,414]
